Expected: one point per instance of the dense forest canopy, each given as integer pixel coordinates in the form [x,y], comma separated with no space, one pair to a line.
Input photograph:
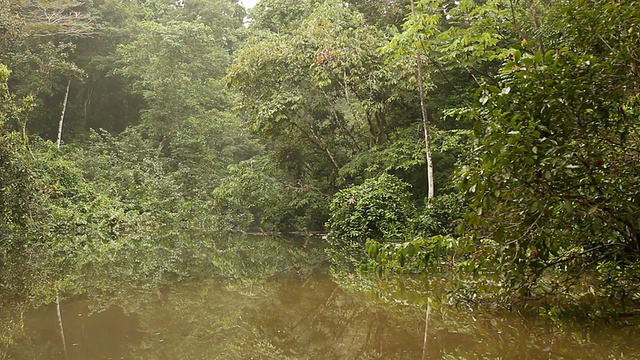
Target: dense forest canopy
[498,137]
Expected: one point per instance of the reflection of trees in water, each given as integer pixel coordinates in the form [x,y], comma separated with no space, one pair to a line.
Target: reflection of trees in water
[288,317]
[319,320]
[263,298]
[461,332]
[293,316]
[268,299]
[104,334]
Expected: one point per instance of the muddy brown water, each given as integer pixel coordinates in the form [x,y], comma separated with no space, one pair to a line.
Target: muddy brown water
[294,315]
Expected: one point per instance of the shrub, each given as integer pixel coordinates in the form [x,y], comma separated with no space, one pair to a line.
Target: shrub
[379,209]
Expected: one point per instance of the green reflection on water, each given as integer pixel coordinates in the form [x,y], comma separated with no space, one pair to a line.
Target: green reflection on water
[270,298]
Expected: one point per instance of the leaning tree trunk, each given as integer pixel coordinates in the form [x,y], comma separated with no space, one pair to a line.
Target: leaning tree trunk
[64,108]
[425,118]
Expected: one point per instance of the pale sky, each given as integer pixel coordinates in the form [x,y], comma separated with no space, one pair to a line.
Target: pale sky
[248,3]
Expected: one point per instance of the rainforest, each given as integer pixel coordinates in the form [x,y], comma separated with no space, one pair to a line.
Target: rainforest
[328,179]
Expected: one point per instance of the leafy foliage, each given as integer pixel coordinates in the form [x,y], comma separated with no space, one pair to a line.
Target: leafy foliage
[379,209]
[415,256]
[319,90]
[257,195]
[554,177]
[175,67]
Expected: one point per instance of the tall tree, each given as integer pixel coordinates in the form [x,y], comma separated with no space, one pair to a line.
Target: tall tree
[321,83]
[38,47]
[176,68]
[425,113]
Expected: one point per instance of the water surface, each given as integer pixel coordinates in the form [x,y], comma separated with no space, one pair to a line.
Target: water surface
[265,306]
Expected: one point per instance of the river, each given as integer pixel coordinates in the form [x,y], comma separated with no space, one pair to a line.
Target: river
[255,310]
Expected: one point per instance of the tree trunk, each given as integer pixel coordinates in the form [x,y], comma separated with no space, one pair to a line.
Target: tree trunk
[64,108]
[425,118]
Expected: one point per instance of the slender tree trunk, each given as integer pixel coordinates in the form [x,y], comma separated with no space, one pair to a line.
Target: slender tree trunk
[25,139]
[341,123]
[425,118]
[426,332]
[163,142]
[64,108]
[64,341]
[315,139]
[88,100]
